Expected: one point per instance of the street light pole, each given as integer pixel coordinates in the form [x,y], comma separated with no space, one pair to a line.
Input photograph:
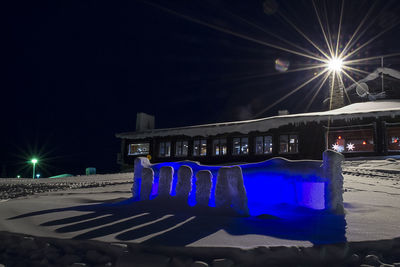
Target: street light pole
[34,161]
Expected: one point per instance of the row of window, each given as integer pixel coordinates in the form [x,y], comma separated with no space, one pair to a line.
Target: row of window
[240,146]
[345,141]
[362,140]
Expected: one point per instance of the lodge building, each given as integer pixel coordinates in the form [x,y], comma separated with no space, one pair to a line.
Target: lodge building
[360,129]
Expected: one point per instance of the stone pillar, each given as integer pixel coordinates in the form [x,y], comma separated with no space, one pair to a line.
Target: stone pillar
[140,163]
[237,191]
[184,184]
[332,166]
[165,181]
[222,195]
[147,183]
[203,187]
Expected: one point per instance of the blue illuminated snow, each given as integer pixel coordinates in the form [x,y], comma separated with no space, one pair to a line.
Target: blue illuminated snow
[268,184]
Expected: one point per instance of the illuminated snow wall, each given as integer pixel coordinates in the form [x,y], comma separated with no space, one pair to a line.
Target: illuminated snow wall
[312,184]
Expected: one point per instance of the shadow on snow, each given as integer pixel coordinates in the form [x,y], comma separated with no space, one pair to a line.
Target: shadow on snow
[168,222]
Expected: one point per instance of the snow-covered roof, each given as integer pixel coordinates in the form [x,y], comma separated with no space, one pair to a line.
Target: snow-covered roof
[372,109]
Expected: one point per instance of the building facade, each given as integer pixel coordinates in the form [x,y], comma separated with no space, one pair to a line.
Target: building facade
[360,129]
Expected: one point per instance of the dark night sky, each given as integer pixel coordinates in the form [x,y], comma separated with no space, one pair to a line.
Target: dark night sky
[77,72]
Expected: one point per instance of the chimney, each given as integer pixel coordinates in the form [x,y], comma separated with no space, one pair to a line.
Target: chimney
[144,122]
[283,112]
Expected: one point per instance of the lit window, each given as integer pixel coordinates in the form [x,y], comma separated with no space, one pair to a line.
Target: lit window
[288,143]
[263,144]
[219,147]
[393,134]
[351,141]
[181,148]
[200,147]
[139,149]
[165,149]
[240,146]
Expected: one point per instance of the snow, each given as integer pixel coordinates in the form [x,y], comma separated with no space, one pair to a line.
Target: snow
[373,109]
[371,200]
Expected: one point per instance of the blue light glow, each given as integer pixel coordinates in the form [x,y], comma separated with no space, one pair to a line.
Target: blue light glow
[268,184]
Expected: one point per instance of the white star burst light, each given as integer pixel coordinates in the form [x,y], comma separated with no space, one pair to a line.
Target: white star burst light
[336,58]
[350,147]
[337,147]
[335,64]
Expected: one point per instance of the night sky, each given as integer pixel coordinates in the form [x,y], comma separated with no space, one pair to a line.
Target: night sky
[77,72]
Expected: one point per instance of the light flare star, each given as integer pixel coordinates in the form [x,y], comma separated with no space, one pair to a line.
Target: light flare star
[337,147]
[350,147]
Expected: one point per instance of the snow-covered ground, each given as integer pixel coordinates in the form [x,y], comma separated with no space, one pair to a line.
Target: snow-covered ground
[79,209]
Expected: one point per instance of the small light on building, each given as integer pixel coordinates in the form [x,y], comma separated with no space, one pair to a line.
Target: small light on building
[364,142]
[339,137]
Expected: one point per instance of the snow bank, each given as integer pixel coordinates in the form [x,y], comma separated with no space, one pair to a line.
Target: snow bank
[260,186]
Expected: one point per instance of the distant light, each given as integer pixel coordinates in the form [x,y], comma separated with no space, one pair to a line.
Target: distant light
[364,143]
[34,161]
[335,64]
[38,175]
[339,137]
[18,176]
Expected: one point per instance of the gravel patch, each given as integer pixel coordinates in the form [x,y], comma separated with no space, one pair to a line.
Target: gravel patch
[14,188]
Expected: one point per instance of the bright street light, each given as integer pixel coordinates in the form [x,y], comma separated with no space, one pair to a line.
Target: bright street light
[335,64]
[34,161]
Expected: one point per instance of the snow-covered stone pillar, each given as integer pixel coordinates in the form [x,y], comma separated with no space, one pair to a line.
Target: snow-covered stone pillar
[222,195]
[184,184]
[237,191]
[147,183]
[203,187]
[165,181]
[139,164]
[333,171]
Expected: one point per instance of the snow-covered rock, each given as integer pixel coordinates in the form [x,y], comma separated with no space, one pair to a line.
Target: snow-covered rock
[184,184]
[147,183]
[165,183]
[203,187]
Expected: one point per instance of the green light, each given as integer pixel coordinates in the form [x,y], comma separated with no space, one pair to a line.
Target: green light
[34,161]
